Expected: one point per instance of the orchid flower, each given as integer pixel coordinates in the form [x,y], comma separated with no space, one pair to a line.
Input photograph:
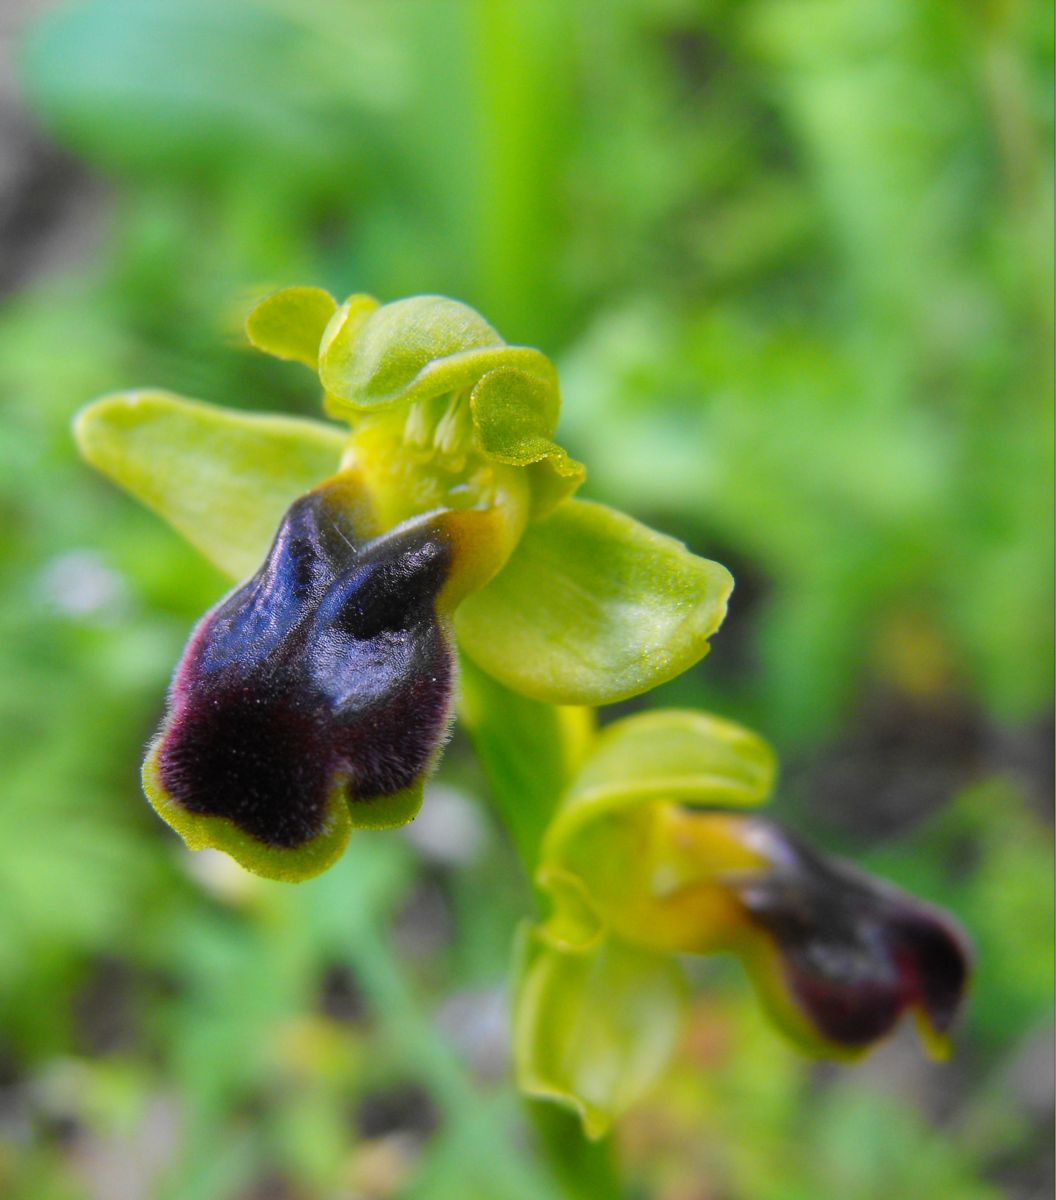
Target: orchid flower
[652,855]
[434,513]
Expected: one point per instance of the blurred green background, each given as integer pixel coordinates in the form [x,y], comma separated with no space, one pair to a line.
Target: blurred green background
[792,258]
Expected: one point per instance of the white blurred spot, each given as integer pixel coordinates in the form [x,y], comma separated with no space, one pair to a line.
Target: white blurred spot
[449,829]
[79,584]
[219,874]
[477,1024]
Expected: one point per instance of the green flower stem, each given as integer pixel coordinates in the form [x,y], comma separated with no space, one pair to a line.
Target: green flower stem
[520,87]
[528,750]
[587,1170]
[525,747]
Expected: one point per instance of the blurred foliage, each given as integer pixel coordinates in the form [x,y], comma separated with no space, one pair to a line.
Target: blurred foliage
[792,260]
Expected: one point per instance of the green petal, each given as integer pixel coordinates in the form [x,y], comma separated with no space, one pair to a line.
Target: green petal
[515,416]
[670,755]
[594,607]
[290,323]
[223,479]
[594,1031]
[413,349]
[553,481]
[514,419]
[337,347]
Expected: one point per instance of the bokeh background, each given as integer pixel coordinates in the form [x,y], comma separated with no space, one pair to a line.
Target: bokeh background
[793,260]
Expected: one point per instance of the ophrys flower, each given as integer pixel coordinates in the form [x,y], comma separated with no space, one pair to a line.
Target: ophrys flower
[650,856]
[316,696]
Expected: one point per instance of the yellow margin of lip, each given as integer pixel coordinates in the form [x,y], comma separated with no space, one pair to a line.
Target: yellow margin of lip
[289,864]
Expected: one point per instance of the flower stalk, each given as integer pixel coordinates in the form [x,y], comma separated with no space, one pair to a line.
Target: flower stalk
[428,534]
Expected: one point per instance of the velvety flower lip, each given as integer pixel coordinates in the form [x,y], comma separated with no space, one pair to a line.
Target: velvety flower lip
[855,953]
[316,695]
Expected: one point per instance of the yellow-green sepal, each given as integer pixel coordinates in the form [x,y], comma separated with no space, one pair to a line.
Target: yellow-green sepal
[414,349]
[290,323]
[594,607]
[223,479]
[669,755]
[594,1031]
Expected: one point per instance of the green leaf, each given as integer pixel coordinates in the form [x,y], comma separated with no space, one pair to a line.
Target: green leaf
[290,323]
[223,479]
[594,607]
[414,349]
[594,1031]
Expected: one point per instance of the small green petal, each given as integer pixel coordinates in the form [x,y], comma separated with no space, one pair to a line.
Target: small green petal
[337,347]
[594,1031]
[594,607]
[553,481]
[223,479]
[574,925]
[516,416]
[290,323]
[413,349]
[514,419]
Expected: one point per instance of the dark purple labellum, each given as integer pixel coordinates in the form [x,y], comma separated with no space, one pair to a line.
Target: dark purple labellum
[855,952]
[329,669]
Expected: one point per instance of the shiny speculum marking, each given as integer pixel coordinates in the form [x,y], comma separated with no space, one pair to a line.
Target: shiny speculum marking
[327,670]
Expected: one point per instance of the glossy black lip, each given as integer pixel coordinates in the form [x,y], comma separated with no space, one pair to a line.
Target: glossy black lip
[855,952]
[329,668]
